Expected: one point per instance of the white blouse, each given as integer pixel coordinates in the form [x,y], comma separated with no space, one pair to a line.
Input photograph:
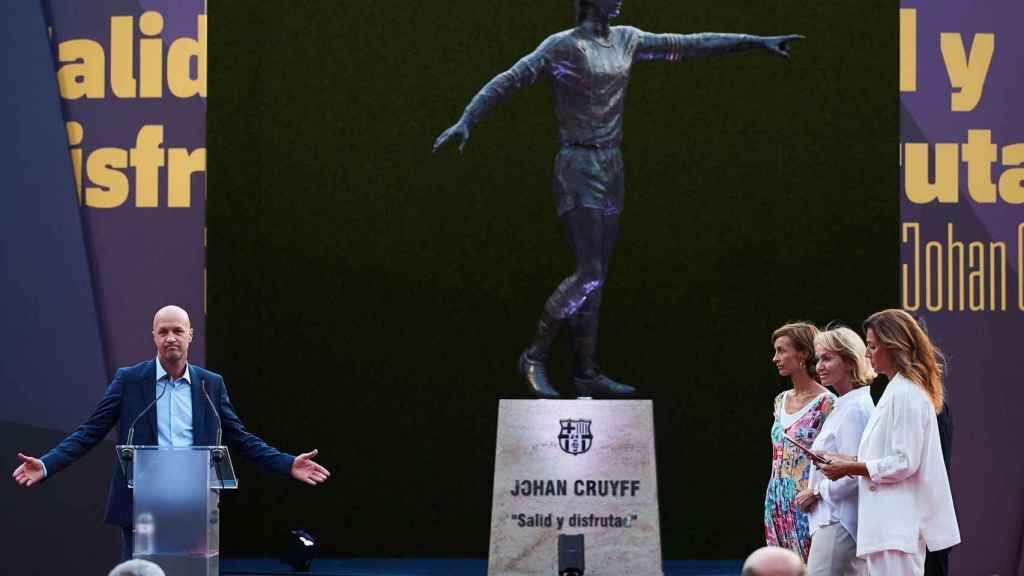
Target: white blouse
[841,434]
[906,498]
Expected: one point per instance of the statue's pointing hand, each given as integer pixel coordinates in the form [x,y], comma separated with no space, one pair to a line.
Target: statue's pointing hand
[779,45]
[460,131]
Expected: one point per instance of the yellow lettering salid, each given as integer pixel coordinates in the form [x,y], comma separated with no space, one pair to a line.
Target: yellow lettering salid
[81,71]
[122,73]
[111,185]
[179,63]
[151,54]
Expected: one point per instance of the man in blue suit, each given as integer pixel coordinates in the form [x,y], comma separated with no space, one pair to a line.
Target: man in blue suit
[180,415]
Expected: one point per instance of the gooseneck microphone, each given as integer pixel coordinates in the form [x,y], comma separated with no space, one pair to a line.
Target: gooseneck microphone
[217,453]
[127,451]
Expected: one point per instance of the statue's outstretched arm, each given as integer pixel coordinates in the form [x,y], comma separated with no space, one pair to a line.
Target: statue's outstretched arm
[524,73]
[680,46]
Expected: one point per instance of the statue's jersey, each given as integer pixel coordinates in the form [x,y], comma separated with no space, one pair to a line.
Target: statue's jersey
[589,76]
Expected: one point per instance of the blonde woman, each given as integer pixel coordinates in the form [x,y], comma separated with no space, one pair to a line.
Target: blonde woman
[832,506]
[905,504]
[799,414]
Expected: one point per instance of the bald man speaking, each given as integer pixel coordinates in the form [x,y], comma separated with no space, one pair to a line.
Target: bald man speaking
[182,416]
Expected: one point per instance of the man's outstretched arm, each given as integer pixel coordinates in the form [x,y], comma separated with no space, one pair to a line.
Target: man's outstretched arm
[252,447]
[78,443]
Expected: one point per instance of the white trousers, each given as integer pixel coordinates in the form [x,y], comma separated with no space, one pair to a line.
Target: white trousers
[834,553]
[897,563]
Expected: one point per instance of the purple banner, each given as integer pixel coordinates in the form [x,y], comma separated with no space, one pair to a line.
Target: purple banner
[962,229]
[132,82]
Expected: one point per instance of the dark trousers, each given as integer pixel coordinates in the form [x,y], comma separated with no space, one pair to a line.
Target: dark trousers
[127,541]
[937,563]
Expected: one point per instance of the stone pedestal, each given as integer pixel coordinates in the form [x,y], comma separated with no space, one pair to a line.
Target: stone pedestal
[575,467]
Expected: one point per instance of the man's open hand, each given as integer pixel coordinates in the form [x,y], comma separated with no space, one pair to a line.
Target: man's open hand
[305,470]
[30,471]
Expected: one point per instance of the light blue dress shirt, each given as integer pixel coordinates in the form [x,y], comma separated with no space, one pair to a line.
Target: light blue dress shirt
[173,409]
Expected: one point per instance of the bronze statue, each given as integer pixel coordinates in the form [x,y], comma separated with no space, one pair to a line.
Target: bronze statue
[589,68]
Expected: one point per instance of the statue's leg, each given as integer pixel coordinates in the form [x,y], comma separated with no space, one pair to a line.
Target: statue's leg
[584,226]
[583,324]
[583,328]
[583,336]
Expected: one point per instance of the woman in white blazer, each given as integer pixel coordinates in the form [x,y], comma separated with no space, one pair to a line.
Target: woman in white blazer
[832,506]
[905,504]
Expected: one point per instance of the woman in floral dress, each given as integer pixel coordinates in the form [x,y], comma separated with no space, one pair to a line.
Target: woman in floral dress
[799,414]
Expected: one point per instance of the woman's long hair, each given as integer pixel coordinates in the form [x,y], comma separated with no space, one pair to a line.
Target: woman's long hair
[911,350]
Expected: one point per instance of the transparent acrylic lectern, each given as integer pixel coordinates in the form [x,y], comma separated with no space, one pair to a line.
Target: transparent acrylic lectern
[176,497]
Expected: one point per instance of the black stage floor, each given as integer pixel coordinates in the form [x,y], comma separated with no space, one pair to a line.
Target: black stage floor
[438,567]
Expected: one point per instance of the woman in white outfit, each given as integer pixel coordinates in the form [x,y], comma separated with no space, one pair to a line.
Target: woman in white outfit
[905,504]
[832,506]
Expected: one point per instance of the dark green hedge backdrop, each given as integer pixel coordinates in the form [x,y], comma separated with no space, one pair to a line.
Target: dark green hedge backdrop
[370,300]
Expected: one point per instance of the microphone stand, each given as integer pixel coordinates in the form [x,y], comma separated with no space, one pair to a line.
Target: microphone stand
[217,453]
[128,452]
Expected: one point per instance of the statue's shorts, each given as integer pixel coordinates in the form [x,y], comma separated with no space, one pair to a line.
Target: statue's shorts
[589,177]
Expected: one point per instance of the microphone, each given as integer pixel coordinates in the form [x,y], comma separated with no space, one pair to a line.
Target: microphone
[127,452]
[217,453]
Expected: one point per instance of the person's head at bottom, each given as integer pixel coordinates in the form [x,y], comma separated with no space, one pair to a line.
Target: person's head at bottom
[137,568]
[773,561]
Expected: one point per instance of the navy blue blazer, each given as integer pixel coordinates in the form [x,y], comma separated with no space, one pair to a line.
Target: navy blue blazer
[132,389]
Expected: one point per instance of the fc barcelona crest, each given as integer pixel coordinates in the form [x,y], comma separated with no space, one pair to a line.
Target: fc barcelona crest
[575,437]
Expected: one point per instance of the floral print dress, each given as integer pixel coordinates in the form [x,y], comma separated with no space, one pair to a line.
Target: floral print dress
[784,524]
